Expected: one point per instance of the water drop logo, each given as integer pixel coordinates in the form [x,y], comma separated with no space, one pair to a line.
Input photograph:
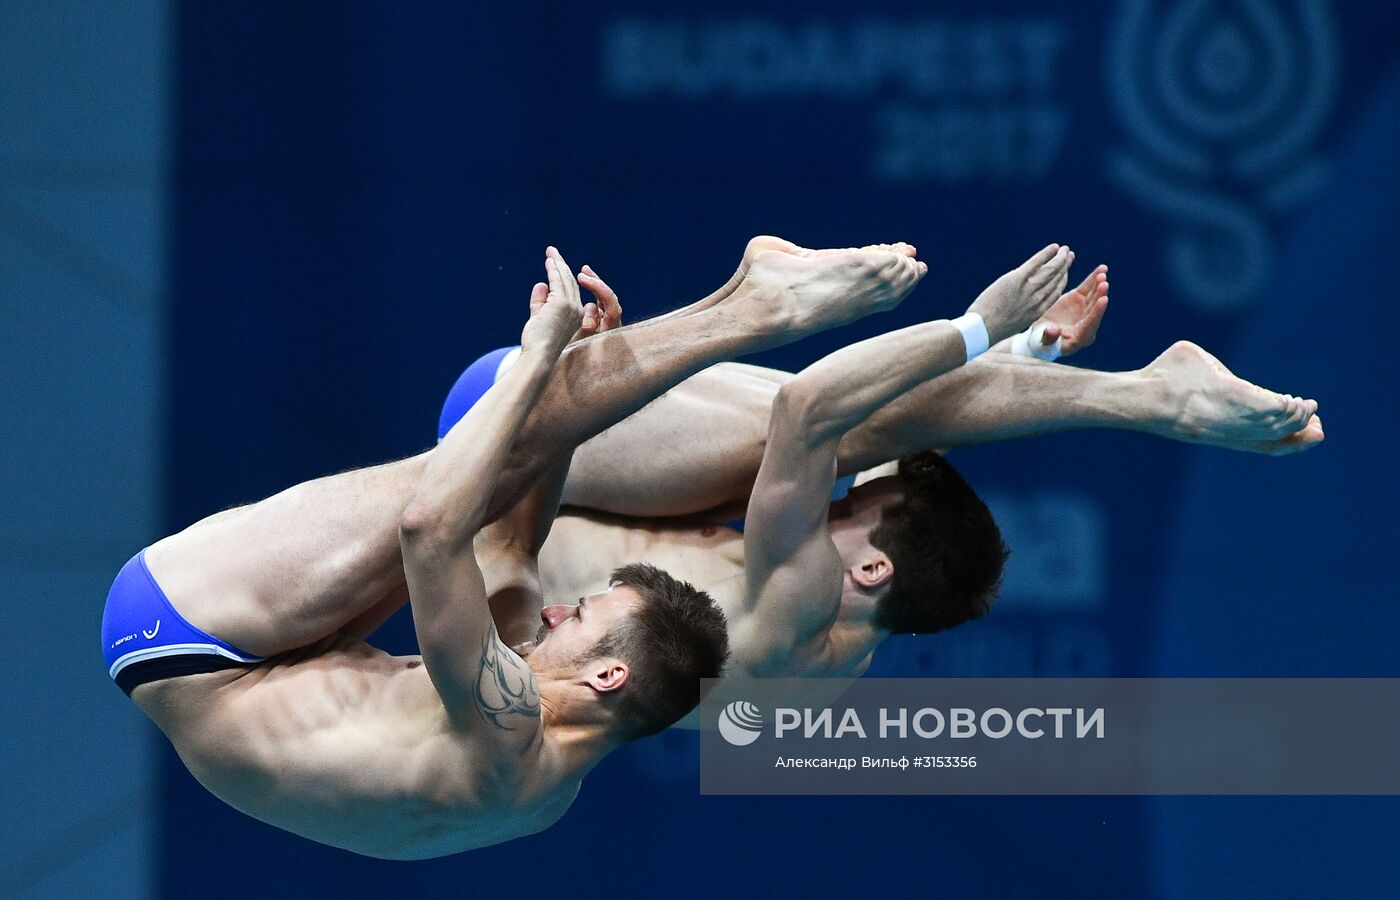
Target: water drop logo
[740,723]
[1223,101]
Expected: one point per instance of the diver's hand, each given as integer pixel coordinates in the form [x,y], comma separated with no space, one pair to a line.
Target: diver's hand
[1018,298]
[1075,317]
[555,312]
[605,313]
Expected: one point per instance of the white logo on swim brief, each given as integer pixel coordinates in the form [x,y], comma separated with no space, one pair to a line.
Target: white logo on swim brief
[740,723]
[153,632]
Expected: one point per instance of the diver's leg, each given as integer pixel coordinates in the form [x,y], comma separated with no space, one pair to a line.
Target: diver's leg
[699,447]
[294,568]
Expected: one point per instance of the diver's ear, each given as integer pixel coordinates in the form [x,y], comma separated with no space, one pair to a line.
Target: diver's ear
[606,674]
[873,571]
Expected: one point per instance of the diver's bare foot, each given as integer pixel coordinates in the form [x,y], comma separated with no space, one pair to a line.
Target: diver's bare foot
[818,290]
[766,242]
[900,248]
[1207,404]
[760,244]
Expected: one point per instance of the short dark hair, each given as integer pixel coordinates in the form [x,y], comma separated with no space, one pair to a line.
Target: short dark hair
[946,549]
[675,638]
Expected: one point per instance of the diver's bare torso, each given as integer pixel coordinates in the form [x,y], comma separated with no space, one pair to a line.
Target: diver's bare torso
[349,746]
[584,547]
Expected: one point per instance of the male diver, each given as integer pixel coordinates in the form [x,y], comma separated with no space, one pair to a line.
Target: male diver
[242,636]
[918,551]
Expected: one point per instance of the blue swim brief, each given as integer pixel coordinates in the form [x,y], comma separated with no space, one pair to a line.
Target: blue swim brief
[144,639]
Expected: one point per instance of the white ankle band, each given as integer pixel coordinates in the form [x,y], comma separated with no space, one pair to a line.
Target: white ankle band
[1031,342]
[976,340]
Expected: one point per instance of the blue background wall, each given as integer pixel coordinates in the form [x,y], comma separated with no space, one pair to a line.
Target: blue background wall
[361,197]
[83,147]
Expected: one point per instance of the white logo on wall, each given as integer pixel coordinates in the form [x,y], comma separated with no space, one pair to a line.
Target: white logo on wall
[740,723]
[1223,100]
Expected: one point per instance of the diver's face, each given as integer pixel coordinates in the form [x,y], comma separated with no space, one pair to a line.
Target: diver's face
[570,632]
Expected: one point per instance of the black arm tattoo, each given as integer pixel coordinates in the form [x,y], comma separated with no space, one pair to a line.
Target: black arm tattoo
[505,686]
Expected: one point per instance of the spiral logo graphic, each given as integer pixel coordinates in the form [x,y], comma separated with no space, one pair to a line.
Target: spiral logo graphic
[740,723]
[1223,100]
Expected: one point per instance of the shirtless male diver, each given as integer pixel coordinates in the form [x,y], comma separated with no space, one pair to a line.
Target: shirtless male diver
[908,550]
[241,636]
